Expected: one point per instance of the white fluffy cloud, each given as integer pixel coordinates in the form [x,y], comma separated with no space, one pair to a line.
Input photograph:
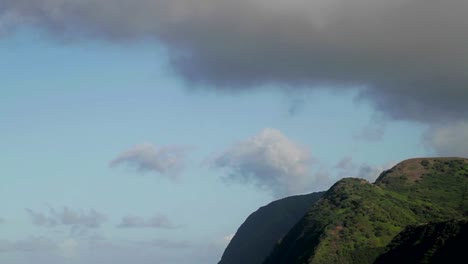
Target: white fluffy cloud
[269,160]
[165,160]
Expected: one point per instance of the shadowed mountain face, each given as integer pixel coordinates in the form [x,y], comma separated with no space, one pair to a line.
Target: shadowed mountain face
[444,242]
[257,236]
[356,220]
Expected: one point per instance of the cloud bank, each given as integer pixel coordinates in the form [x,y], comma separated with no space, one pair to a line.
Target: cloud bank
[409,56]
[270,161]
[165,160]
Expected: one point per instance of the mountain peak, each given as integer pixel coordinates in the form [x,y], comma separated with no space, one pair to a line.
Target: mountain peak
[413,170]
[354,221]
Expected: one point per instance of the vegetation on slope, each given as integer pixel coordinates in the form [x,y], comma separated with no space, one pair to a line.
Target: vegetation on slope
[435,243]
[355,220]
[259,233]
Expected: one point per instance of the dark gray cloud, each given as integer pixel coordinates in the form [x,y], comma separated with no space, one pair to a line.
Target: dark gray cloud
[165,160]
[159,221]
[270,161]
[67,217]
[410,57]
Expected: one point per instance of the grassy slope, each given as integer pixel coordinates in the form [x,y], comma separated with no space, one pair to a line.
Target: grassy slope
[355,220]
[443,242]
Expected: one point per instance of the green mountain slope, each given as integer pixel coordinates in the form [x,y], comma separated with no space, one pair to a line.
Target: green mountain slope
[355,220]
[444,242]
[257,236]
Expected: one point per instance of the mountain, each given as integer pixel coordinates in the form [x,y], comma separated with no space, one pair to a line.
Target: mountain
[435,243]
[257,236]
[355,220]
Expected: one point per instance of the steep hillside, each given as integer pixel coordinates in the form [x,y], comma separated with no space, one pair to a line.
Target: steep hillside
[355,220]
[259,233]
[444,242]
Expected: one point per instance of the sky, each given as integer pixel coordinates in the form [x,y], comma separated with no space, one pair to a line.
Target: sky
[146,131]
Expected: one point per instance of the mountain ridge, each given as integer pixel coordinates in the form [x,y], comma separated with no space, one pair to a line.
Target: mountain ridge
[257,236]
[355,220]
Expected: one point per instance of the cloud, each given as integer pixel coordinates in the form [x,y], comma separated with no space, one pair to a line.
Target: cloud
[346,163]
[68,248]
[370,173]
[159,221]
[27,245]
[115,251]
[67,217]
[165,160]
[164,243]
[374,131]
[449,139]
[228,238]
[270,161]
[408,56]
[348,168]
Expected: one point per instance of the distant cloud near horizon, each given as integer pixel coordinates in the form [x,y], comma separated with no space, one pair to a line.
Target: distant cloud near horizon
[159,221]
[270,161]
[30,244]
[67,217]
[164,243]
[165,160]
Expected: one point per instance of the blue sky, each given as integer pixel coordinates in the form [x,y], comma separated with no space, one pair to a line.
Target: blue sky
[68,110]
[101,128]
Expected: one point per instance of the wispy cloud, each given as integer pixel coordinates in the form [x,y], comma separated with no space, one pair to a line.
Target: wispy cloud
[228,238]
[449,139]
[374,131]
[270,161]
[159,221]
[164,243]
[166,160]
[349,168]
[67,217]
[27,245]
